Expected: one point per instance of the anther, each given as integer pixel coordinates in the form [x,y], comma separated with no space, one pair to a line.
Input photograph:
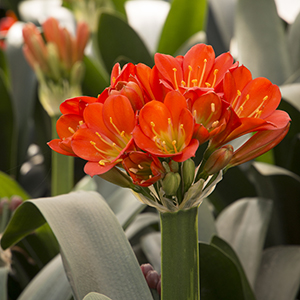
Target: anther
[140,167]
[215,77]
[238,94]
[194,81]
[174,146]
[133,170]
[101,162]
[214,124]
[213,107]
[175,79]
[81,122]
[189,76]
[71,130]
[203,71]
[207,84]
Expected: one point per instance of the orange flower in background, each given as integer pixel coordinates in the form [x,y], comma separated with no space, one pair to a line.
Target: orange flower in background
[166,129]
[5,24]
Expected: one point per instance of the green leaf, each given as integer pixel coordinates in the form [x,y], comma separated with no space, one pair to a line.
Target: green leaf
[279,275]
[283,187]
[3,283]
[183,21]
[50,283]
[261,40]
[120,6]
[117,40]
[206,223]
[7,125]
[85,228]
[244,225]
[220,277]
[95,296]
[294,43]
[94,81]
[9,187]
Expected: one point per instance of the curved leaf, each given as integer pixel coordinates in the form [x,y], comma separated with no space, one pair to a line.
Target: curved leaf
[220,277]
[294,43]
[116,39]
[9,187]
[279,275]
[183,21]
[261,41]
[50,283]
[244,225]
[95,296]
[92,242]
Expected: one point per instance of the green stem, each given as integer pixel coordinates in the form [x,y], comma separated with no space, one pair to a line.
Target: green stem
[62,178]
[180,255]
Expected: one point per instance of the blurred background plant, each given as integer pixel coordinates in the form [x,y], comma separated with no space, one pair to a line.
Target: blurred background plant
[249,228]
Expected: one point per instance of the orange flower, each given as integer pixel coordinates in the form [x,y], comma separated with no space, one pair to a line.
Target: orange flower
[107,134]
[197,69]
[143,168]
[5,24]
[166,129]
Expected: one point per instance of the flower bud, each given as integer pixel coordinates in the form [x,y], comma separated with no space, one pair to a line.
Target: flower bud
[218,160]
[171,183]
[188,173]
[174,166]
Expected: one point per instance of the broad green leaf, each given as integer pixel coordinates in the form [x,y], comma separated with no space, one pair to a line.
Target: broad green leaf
[119,6]
[244,225]
[183,21]
[7,125]
[279,276]
[23,90]
[95,296]
[9,187]
[151,245]
[283,187]
[85,228]
[223,12]
[206,223]
[140,222]
[294,43]
[3,283]
[87,183]
[117,40]
[50,283]
[261,40]
[219,275]
[94,81]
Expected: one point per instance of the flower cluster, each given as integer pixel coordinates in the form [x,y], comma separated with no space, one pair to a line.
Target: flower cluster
[151,121]
[57,61]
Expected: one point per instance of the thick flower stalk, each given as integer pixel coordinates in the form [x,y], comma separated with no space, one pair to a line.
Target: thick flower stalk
[143,131]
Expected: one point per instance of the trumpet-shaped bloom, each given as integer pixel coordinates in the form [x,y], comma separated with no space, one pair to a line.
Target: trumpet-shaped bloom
[143,168]
[197,69]
[107,134]
[166,129]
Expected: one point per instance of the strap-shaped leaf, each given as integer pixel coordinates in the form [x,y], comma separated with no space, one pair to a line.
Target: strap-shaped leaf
[3,283]
[244,225]
[261,41]
[279,275]
[50,283]
[118,41]
[96,253]
[183,21]
[95,296]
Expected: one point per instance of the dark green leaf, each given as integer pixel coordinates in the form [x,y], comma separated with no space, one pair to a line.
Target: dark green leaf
[85,228]
[50,283]
[120,6]
[244,225]
[283,187]
[94,81]
[279,276]
[220,277]
[261,40]
[116,39]
[183,21]
[9,187]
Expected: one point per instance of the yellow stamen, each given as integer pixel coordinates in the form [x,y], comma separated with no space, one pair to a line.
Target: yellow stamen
[258,110]
[194,81]
[175,79]
[71,130]
[238,92]
[140,167]
[98,149]
[213,107]
[241,108]
[164,146]
[189,76]
[215,77]
[133,170]
[80,122]
[101,162]
[174,146]
[102,139]
[207,84]
[153,130]
[214,124]
[113,80]
[203,71]
[183,83]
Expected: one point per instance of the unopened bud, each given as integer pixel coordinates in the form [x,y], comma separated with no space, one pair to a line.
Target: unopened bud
[171,183]
[188,173]
[174,166]
[218,160]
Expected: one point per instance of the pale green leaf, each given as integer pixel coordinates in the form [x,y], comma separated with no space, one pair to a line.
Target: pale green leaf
[279,274]
[183,21]
[3,283]
[92,243]
[95,296]
[151,245]
[50,283]
[261,40]
[244,225]
[294,42]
